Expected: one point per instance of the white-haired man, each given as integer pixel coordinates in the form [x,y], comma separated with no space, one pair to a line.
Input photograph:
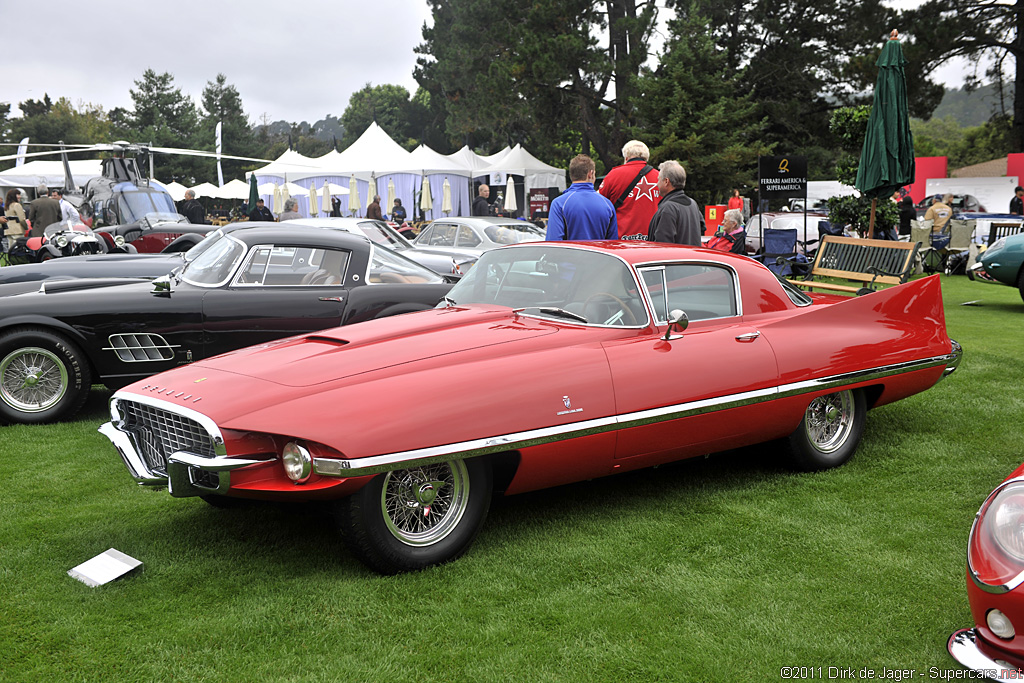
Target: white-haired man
[632,188]
[678,218]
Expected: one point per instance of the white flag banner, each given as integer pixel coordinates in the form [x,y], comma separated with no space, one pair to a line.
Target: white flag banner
[22,149]
[220,173]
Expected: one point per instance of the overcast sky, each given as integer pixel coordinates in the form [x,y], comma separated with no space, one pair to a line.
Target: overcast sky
[296,61]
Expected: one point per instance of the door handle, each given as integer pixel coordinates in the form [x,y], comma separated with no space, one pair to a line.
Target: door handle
[337,299]
[748,337]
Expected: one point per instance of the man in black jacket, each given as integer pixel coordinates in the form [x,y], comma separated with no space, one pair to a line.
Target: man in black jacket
[678,219]
[261,212]
[481,207]
[192,210]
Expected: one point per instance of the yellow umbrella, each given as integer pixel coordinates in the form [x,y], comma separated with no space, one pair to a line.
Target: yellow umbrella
[278,200]
[353,195]
[391,194]
[426,201]
[285,194]
[510,196]
[446,198]
[325,198]
[312,200]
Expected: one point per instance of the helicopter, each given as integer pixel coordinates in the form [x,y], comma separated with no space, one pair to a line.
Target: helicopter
[120,194]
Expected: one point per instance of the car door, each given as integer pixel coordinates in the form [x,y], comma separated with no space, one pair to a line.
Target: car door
[701,390]
[278,291]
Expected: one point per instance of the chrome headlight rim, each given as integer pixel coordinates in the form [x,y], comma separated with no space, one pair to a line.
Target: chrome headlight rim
[297,462]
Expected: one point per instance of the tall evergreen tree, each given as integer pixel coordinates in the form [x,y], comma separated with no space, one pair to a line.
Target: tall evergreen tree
[163,116]
[388,105]
[693,111]
[222,104]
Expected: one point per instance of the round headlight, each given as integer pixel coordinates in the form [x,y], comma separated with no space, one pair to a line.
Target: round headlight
[119,241]
[1005,520]
[999,623]
[62,241]
[298,464]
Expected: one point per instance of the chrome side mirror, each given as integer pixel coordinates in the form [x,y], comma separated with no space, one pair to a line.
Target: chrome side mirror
[162,286]
[677,324]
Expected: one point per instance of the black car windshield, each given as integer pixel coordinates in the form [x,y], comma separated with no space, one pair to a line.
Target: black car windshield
[134,204]
[566,283]
[215,263]
[379,233]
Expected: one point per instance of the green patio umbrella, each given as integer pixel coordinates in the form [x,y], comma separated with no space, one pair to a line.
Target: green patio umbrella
[254,193]
[887,159]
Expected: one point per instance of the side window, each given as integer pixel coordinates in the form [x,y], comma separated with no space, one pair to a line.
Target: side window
[468,238]
[270,266]
[701,291]
[442,236]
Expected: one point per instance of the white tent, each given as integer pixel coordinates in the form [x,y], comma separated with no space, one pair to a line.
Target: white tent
[436,168]
[536,174]
[206,190]
[177,190]
[289,166]
[234,189]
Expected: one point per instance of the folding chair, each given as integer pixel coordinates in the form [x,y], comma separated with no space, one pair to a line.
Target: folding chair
[780,252]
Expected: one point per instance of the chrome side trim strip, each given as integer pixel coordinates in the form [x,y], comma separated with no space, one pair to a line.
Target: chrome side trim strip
[334,467]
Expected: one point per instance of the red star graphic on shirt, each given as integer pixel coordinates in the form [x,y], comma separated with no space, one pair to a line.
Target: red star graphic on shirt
[644,188]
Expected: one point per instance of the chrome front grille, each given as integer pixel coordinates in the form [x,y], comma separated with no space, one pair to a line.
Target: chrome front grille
[159,433]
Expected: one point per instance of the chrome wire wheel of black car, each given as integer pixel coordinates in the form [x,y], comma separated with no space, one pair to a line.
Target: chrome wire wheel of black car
[43,376]
[830,430]
[409,519]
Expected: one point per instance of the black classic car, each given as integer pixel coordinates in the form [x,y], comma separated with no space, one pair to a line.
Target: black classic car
[251,285]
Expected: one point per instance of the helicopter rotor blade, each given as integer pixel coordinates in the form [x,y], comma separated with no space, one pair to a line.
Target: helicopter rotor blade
[202,153]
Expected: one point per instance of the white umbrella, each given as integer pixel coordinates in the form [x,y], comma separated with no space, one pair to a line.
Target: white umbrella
[312,200]
[278,200]
[510,196]
[426,201]
[325,198]
[391,194]
[286,193]
[353,195]
[176,190]
[446,198]
[235,189]
[206,190]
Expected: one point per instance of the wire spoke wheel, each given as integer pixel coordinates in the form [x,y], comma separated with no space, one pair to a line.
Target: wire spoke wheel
[829,421]
[421,506]
[32,379]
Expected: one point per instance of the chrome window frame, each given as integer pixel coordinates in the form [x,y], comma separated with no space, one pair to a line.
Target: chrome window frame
[231,275]
[255,249]
[661,265]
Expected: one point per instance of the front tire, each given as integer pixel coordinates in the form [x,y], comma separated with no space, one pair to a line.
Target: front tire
[830,431]
[1020,283]
[43,376]
[410,519]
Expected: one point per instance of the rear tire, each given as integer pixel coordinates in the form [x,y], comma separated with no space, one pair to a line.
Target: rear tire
[830,431]
[1020,283]
[410,519]
[43,376]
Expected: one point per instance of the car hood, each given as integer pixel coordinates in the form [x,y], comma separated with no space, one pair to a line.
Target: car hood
[342,352]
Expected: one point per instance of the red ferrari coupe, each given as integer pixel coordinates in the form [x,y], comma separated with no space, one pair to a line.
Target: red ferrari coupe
[548,363]
[995,572]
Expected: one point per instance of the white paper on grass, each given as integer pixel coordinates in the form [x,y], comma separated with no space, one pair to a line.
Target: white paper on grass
[104,568]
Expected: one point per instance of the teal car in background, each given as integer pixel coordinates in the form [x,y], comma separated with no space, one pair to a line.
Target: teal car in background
[1001,263]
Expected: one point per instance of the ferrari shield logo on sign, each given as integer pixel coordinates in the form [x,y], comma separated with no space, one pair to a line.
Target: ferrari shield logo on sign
[782,176]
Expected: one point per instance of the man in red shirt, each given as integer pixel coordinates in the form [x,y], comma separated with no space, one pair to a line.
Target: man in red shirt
[633,191]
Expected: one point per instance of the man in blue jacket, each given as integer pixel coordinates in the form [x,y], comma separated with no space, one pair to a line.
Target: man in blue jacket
[580,213]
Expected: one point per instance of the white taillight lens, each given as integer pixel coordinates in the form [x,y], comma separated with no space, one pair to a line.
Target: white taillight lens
[999,624]
[298,464]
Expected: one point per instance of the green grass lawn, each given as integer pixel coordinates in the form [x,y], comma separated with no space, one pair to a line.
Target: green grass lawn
[720,569]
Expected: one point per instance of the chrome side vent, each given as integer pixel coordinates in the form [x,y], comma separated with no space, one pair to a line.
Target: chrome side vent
[140,348]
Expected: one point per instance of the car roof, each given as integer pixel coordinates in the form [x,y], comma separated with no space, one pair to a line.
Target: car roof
[637,252]
[299,235]
[480,221]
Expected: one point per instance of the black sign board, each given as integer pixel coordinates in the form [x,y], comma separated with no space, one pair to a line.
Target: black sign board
[782,176]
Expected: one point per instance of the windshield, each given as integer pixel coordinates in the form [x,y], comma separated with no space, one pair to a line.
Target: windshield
[133,203]
[379,233]
[66,226]
[514,233]
[556,282]
[388,267]
[216,261]
[154,218]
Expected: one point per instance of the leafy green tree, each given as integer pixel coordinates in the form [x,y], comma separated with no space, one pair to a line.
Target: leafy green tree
[541,70]
[975,29]
[694,107]
[388,105]
[164,116]
[849,125]
[51,122]
[222,104]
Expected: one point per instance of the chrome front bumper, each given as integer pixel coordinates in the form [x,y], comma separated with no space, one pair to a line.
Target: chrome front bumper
[963,646]
[188,474]
[956,353]
[977,273]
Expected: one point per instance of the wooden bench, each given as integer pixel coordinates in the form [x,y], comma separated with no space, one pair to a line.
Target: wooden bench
[998,230]
[869,261]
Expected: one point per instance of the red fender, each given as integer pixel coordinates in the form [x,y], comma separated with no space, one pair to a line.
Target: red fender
[34,243]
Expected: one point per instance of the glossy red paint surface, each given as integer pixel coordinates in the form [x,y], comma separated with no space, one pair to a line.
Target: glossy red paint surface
[476,371]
